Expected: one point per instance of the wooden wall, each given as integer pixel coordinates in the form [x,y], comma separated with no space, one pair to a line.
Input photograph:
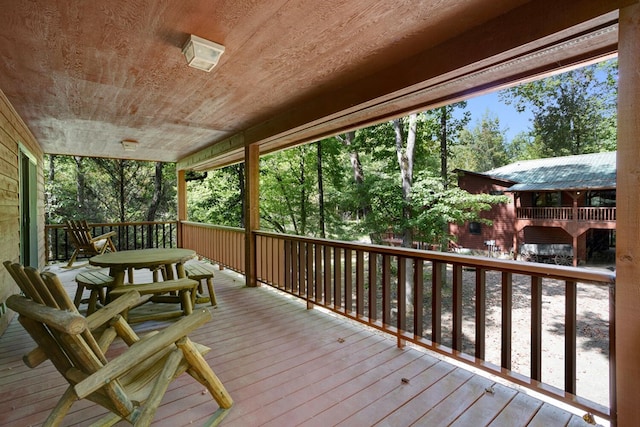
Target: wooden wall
[13,132]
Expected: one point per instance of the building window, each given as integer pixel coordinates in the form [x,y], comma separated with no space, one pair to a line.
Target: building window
[547,199]
[475,228]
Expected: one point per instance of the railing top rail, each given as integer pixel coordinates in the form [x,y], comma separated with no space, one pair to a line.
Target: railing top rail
[116,224]
[516,267]
[213,226]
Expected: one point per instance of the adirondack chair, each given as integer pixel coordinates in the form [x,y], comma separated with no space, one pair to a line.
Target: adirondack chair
[80,235]
[132,384]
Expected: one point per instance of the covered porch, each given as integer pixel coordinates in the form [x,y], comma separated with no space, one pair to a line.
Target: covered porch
[58,100]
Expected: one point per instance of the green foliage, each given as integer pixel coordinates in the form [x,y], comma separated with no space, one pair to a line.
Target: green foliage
[481,148]
[107,190]
[437,207]
[217,198]
[574,112]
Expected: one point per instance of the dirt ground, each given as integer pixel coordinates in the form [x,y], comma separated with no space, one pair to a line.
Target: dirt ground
[592,330]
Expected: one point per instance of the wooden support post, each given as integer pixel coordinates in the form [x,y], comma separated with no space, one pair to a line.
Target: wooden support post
[182,204]
[627,295]
[251,210]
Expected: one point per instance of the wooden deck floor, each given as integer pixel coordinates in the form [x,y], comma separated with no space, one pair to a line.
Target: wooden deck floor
[285,365]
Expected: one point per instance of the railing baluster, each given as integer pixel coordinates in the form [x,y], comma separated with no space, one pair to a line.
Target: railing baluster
[348,281]
[436,301]
[481,312]
[288,268]
[536,328]
[373,287]
[337,273]
[360,283]
[570,337]
[386,290]
[327,275]
[507,326]
[310,274]
[418,297]
[402,299]
[456,306]
[318,274]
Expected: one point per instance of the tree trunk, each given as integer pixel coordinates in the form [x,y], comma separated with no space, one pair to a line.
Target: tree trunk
[81,199]
[121,185]
[405,161]
[356,166]
[444,153]
[155,202]
[323,232]
[240,172]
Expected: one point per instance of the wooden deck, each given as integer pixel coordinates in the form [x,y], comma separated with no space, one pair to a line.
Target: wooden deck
[285,365]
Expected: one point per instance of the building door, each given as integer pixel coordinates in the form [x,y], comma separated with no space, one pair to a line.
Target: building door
[28,208]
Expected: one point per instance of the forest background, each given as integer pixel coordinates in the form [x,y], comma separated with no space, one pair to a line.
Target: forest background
[394,177]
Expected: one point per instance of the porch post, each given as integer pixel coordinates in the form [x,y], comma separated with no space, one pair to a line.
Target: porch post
[627,292]
[252,210]
[182,204]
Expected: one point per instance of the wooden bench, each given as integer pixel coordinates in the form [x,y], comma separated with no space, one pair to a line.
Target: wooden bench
[197,271]
[185,287]
[96,282]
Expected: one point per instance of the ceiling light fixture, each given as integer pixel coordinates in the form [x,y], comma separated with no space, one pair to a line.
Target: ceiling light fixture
[129,145]
[202,54]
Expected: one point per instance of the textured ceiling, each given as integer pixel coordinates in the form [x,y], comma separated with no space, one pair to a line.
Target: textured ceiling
[84,75]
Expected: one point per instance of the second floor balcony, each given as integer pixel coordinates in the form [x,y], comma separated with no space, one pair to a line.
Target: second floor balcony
[562,213]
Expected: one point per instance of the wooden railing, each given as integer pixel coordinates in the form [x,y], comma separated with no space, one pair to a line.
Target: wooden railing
[445,304]
[583,214]
[597,214]
[130,235]
[224,245]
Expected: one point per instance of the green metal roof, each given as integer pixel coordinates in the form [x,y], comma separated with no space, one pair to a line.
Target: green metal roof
[582,172]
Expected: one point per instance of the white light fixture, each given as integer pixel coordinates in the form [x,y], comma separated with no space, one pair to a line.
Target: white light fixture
[202,54]
[129,145]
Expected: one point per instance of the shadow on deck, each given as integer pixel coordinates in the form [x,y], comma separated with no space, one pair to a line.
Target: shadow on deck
[285,365]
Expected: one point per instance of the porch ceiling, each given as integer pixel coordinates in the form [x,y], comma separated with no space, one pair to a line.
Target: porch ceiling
[86,75]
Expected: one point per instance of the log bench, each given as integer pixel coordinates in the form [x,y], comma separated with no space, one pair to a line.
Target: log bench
[96,282]
[157,291]
[197,271]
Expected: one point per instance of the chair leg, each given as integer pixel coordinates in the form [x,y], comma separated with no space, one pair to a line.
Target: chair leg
[78,298]
[205,374]
[159,388]
[212,293]
[73,258]
[61,408]
[93,301]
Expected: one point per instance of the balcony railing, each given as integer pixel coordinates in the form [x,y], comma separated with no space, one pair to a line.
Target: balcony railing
[583,214]
[436,300]
[129,235]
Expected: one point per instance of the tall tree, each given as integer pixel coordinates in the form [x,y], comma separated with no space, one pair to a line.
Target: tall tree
[573,112]
[323,230]
[481,148]
[405,147]
[445,127]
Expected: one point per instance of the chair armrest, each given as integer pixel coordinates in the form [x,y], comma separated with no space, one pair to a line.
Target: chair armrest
[63,321]
[140,351]
[103,236]
[111,310]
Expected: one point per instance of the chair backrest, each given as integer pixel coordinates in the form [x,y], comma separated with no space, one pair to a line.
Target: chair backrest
[80,233]
[33,286]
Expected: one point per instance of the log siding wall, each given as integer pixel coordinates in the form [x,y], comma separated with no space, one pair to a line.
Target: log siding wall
[13,132]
